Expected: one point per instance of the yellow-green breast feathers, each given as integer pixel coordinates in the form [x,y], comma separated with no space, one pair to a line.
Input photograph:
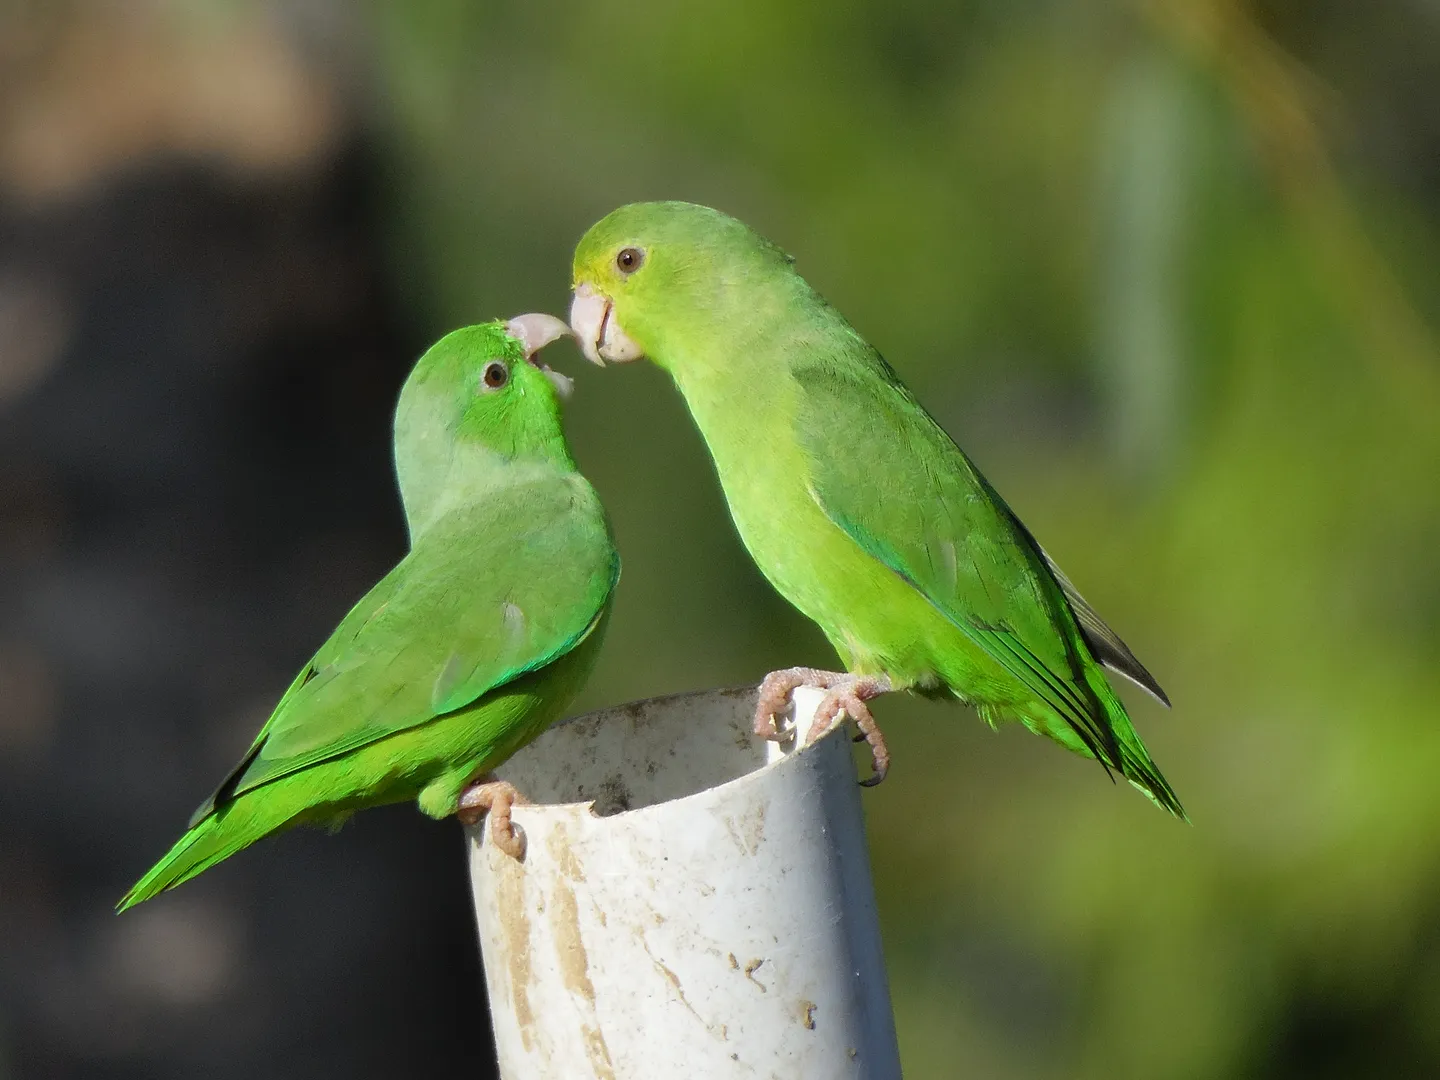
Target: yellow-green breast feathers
[852,500]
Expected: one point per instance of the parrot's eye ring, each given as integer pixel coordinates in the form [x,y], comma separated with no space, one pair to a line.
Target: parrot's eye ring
[629,260]
[495,375]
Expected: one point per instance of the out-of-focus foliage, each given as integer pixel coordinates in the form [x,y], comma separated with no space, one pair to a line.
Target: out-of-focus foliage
[1174,290]
[1167,270]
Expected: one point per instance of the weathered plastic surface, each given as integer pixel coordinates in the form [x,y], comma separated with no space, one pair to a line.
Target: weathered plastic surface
[712,917]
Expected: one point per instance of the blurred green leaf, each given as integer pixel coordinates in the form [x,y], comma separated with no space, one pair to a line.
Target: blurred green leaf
[1103,247]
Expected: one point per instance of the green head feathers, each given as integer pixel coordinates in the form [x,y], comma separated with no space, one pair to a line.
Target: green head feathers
[476,401]
[649,267]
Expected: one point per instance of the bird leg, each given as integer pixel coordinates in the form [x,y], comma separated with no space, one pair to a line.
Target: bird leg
[845,695]
[774,698]
[488,796]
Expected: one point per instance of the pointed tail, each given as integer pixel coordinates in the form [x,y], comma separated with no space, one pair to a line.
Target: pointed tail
[213,838]
[1134,763]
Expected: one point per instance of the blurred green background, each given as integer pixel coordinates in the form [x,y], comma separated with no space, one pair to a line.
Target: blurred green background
[1168,272]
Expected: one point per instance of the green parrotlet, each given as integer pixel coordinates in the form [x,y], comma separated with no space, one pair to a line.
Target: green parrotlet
[852,500]
[466,650]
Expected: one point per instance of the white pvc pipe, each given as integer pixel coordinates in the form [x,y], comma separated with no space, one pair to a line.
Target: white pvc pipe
[711,917]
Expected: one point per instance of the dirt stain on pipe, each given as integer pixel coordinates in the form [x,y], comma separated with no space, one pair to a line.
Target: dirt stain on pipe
[569,947]
[720,1031]
[515,929]
[749,829]
[597,1052]
[570,950]
[750,969]
[807,1014]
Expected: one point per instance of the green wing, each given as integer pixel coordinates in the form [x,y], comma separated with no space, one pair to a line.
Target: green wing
[918,504]
[486,595]
[1103,642]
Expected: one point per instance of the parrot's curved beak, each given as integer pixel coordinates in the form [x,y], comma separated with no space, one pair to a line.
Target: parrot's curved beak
[592,316]
[536,330]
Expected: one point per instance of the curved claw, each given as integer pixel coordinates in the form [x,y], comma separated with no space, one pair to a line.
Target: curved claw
[494,798]
[773,700]
[845,694]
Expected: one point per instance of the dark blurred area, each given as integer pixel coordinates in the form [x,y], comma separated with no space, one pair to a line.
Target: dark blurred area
[1167,270]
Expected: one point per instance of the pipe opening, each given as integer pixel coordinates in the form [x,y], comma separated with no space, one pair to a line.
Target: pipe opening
[647,752]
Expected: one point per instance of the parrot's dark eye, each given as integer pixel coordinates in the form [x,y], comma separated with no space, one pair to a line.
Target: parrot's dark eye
[495,375]
[629,260]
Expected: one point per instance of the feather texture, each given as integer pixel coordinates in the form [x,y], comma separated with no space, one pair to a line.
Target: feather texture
[462,653]
[852,500]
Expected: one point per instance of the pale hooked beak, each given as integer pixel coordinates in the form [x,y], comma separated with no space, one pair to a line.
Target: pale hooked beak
[592,315]
[536,330]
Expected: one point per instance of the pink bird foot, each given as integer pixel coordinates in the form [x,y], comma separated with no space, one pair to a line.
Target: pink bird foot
[774,698]
[487,795]
[845,695]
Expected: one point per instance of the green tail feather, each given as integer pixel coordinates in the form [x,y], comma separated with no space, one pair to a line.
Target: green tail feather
[1135,763]
[214,838]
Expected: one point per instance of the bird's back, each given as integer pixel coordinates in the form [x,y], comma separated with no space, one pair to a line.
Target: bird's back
[866,515]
